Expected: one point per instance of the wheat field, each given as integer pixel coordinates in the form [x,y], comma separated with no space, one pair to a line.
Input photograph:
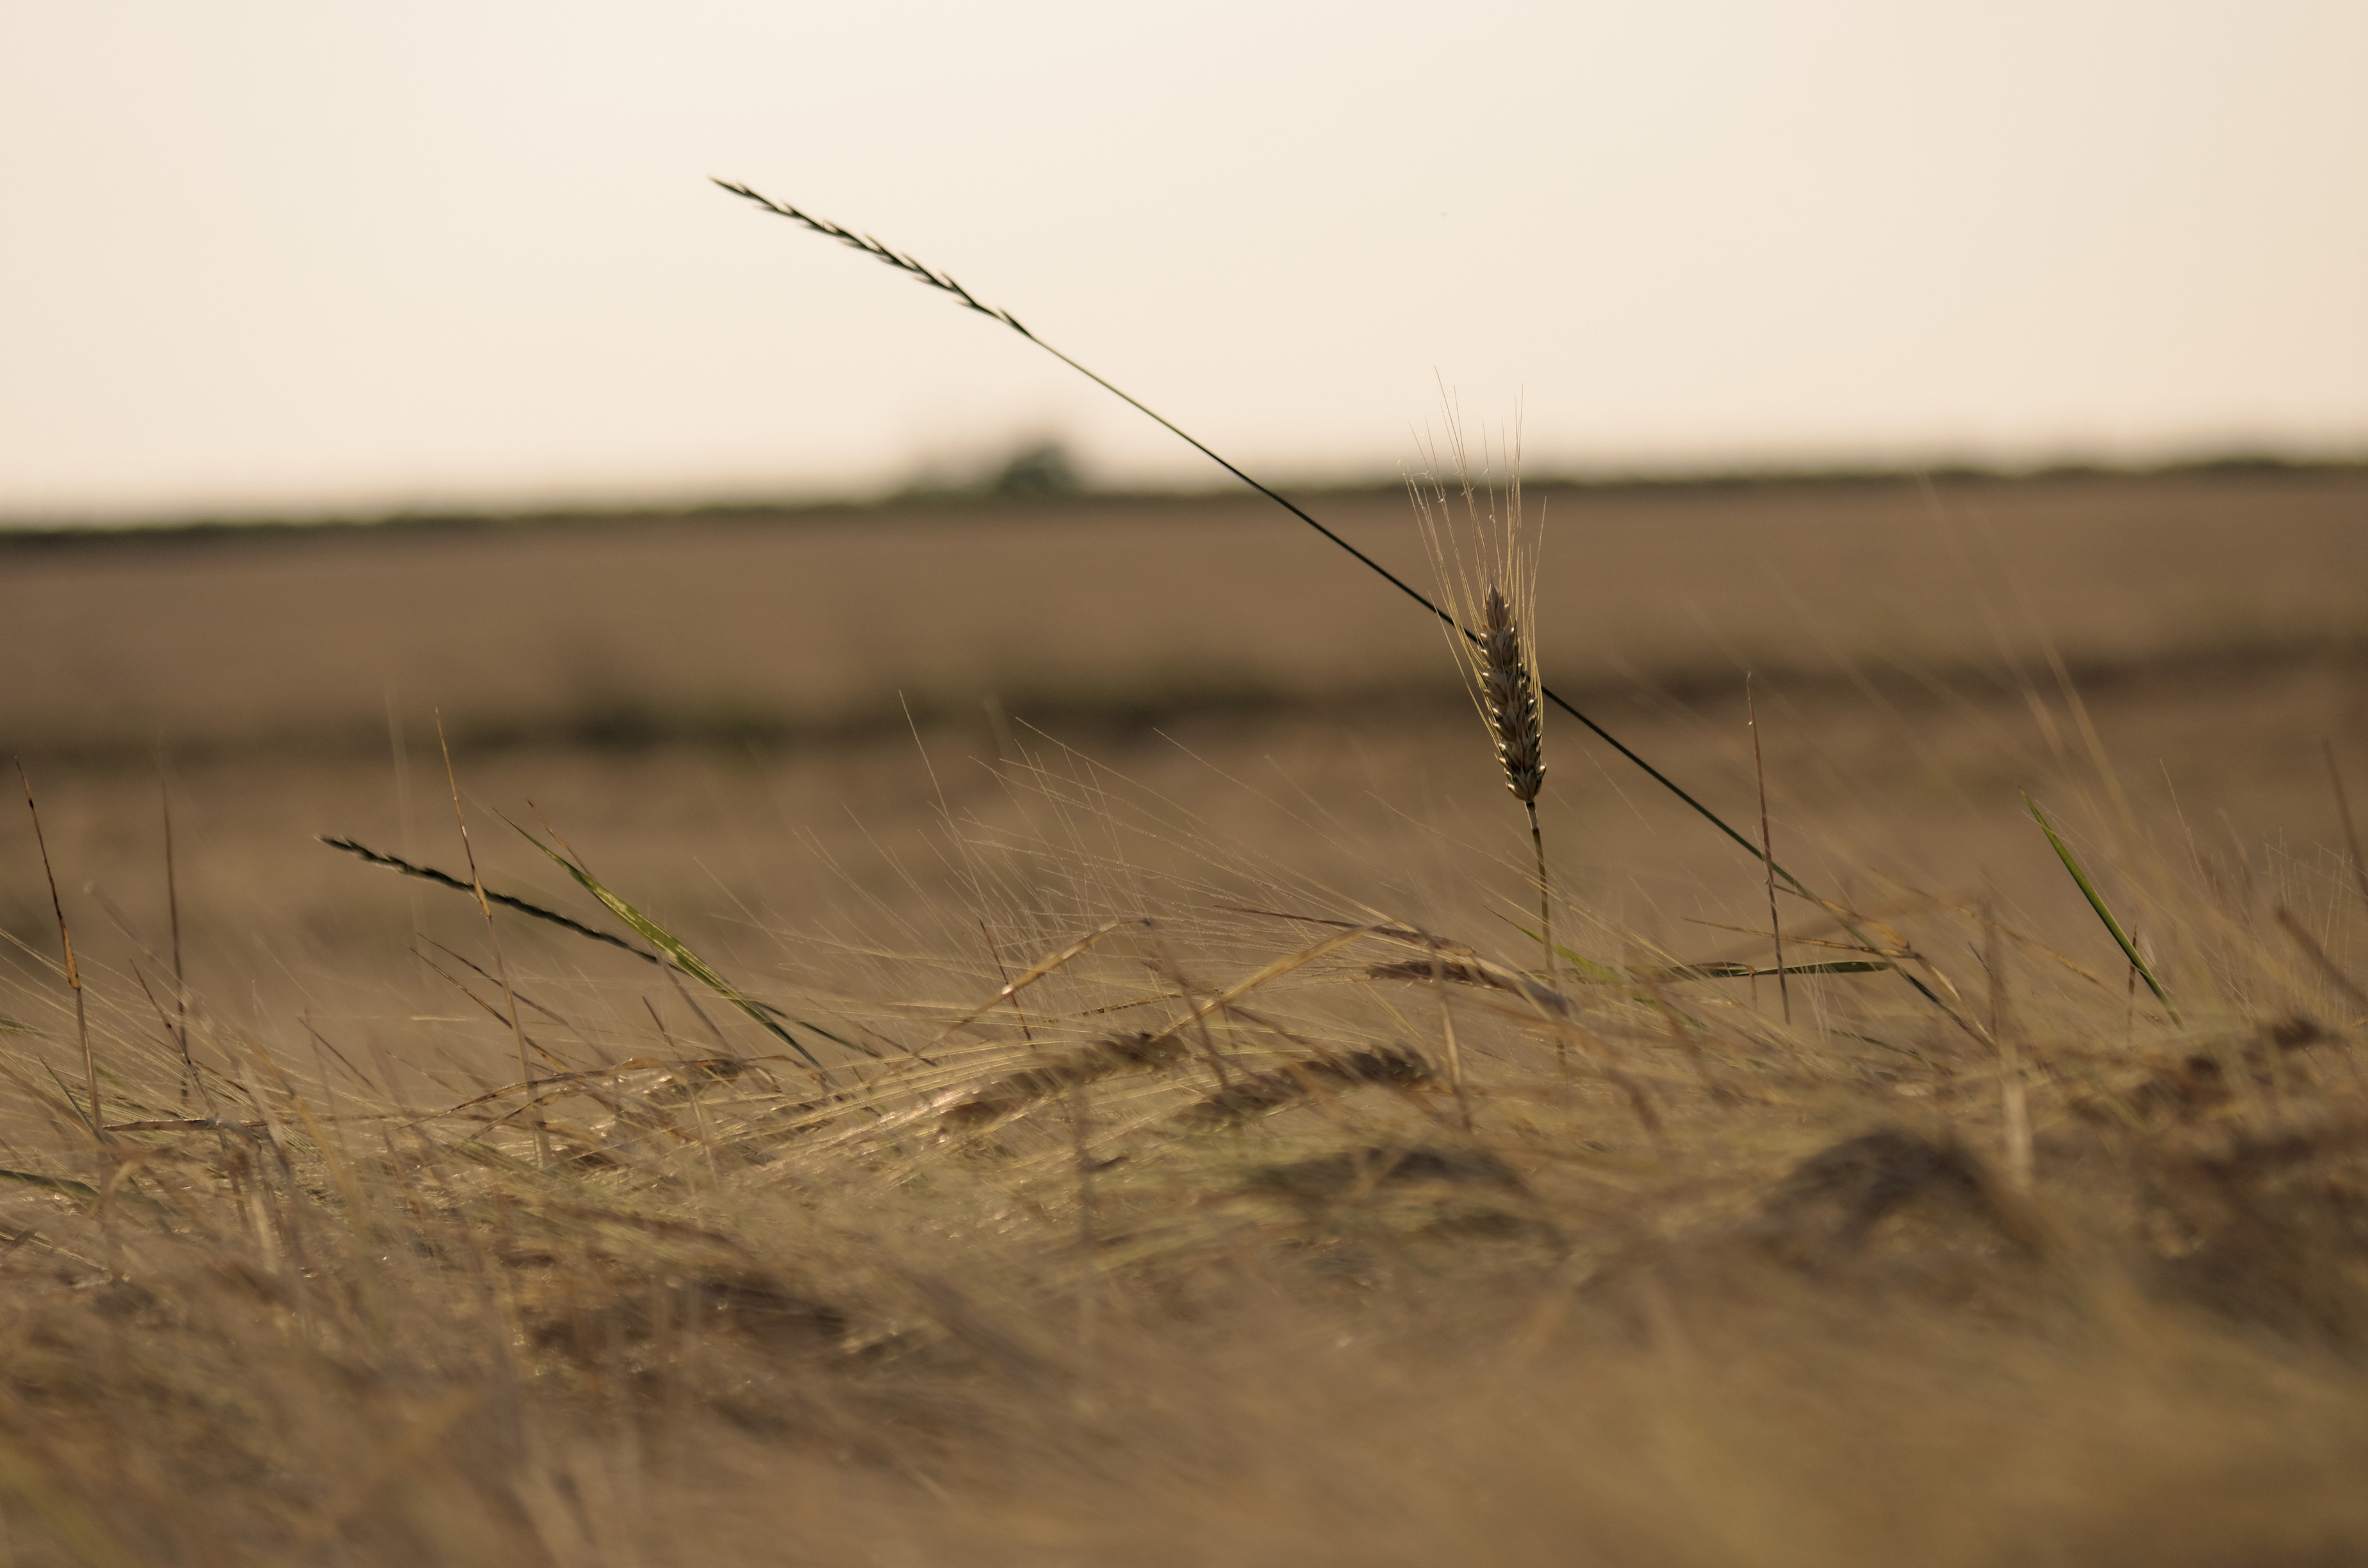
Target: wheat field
[1067,1075]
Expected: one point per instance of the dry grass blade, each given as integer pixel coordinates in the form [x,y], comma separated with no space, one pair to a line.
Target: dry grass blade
[716,1068]
[1267,975]
[1011,989]
[1545,998]
[2320,960]
[73,971]
[1989,921]
[173,921]
[1015,1092]
[1767,847]
[493,938]
[1460,972]
[2343,814]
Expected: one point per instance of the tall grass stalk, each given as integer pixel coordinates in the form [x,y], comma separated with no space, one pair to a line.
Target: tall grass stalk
[1486,566]
[173,920]
[2343,815]
[1464,628]
[944,283]
[1767,847]
[501,966]
[73,970]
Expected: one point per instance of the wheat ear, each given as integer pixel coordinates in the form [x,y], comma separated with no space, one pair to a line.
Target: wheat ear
[1509,688]
[1511,694]
[1488,570]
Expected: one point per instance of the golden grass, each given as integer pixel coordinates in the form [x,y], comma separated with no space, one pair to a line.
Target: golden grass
[1141,1226]
[1140,1219]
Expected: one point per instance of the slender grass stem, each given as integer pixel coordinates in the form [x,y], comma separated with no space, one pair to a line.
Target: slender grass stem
[1545,892]
[172,917]
[73,973]
[1768,848]
[945,284]
[501,965]
[2343,814]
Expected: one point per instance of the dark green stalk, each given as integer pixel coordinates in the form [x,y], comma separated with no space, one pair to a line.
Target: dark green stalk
[2097,902]
[442,878]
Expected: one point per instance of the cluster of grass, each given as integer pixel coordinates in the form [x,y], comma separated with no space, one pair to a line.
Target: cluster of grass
[1202,1215]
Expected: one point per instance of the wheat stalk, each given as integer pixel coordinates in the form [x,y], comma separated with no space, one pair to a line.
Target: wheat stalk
[1488,572]
[944,283]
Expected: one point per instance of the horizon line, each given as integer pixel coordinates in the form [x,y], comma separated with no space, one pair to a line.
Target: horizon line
[983,493]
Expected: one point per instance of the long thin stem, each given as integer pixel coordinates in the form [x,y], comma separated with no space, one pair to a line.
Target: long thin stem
[173,916]
[1545,894]
[501,965]
[2343,811]
[1767,847]
[945,283]
[1455,1049]
[430,873]
[73,974]
[2015,1099]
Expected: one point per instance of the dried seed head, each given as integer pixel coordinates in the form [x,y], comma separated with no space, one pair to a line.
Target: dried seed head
[1485,552]
[1510,696]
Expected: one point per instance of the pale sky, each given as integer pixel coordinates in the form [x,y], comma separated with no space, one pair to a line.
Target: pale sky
[310,254]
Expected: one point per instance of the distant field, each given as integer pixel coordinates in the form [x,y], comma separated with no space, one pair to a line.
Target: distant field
[842,622]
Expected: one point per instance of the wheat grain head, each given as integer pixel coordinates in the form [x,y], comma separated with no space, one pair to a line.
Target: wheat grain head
[1485,554]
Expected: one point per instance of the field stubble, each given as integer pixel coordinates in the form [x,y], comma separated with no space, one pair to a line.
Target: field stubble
[1183,1251]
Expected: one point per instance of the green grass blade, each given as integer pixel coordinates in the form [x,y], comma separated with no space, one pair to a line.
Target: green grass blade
[2097,902]
[446,879]
[1586,970]
[664,941]
[442,879]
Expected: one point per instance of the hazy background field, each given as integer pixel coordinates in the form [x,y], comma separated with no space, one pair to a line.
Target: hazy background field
[760,724]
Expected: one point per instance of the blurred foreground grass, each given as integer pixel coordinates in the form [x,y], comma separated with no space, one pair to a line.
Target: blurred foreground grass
[1127,1225]
[1136,1215]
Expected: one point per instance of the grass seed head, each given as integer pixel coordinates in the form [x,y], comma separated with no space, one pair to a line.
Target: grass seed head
[1509,698]
[1486,565]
